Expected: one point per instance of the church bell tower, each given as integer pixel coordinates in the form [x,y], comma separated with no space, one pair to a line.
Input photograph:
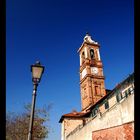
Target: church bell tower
[92,84]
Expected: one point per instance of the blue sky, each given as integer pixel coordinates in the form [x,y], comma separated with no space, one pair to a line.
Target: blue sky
[52,31]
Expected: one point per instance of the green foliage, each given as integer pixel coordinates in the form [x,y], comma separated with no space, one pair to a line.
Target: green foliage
[17,124]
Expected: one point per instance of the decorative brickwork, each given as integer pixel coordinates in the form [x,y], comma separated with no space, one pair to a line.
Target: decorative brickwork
[123,132]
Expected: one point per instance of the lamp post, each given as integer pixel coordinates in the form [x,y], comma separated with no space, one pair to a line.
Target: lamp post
[37,71]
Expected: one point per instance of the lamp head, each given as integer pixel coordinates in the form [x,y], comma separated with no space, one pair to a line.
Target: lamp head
[37,70]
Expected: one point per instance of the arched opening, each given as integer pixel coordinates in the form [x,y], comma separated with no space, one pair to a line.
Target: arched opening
[92,54]
[83,56]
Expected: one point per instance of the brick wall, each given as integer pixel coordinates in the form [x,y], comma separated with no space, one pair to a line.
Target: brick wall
[123,132]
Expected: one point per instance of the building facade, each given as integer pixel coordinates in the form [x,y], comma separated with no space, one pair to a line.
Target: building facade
[105,114]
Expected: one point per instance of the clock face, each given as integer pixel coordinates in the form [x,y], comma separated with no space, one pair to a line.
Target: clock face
[94,70]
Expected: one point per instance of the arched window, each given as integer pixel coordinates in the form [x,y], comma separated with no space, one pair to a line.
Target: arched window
[92,53]
[83,54]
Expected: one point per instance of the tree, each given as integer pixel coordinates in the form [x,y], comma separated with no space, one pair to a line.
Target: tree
[17,124]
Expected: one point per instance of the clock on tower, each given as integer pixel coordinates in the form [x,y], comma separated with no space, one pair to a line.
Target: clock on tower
[94,70]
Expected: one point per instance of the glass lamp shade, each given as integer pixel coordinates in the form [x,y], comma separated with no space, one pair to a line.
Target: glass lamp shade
[37,71]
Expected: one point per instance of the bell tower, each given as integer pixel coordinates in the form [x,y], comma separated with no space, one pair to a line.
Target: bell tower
[92,84]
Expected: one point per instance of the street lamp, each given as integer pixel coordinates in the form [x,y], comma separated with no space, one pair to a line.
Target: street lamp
[37,71]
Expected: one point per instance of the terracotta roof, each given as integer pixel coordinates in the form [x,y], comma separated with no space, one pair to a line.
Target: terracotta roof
[73,114]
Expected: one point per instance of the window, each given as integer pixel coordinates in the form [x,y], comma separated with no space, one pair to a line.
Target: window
[94,112]
[106,105]
[131,90]
[123,94]
[118,97]
[83,54]
[126,93]
[92,53]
